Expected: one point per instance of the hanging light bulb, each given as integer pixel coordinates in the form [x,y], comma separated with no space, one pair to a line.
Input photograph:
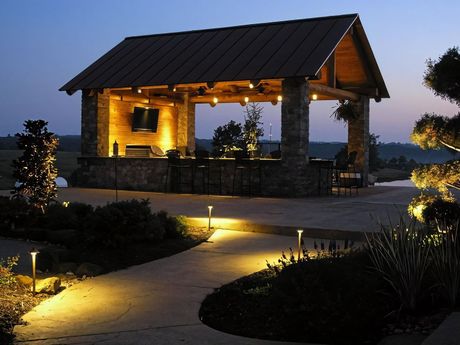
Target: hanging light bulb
[253,83]
[215,100]
[314,97]
[246,99]
[279,98]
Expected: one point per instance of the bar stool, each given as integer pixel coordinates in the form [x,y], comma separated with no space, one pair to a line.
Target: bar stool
[245,170]
[201,167]
[174,174]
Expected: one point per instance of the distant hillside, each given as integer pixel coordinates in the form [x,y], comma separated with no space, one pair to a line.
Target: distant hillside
[69,143]
[386,151]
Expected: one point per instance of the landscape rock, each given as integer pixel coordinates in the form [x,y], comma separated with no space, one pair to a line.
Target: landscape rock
[65,267]
[49,285]
[89,269]
[24,280]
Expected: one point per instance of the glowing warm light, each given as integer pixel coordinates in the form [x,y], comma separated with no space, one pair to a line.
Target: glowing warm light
[299,247]
[314,97]
[66,203]
[215,100]
[418,211]
[251,85]
[139,91]
[246,99]
[279,98]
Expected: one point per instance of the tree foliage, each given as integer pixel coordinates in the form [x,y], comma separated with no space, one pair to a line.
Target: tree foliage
[228,137]
[35,170]
[252,129]
[434,131]
[236,136]
[442,76]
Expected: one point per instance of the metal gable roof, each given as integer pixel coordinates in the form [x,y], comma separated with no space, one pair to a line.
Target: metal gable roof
[297,48]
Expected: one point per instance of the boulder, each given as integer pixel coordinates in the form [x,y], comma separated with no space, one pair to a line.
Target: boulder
[65,267]
[24,280]
[89,269]
[49,285]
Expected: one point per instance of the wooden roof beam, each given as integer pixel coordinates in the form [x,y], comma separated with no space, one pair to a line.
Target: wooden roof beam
[334,92]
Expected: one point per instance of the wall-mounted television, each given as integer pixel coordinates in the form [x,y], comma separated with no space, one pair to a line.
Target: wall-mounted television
[145,120]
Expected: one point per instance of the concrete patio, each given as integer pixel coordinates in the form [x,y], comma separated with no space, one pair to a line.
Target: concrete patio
[325,216]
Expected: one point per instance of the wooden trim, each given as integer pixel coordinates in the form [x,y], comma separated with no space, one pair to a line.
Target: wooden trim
[334,92]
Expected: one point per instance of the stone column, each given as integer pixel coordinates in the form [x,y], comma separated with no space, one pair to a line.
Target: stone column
[358,137]
[186,124]
[294,122]
[95,123]
[294,137]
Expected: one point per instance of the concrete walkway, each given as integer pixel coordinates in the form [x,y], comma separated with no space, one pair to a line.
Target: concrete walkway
[153,303]
[355,213]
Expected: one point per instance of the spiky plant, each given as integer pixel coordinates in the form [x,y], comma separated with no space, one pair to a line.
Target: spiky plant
[400,253]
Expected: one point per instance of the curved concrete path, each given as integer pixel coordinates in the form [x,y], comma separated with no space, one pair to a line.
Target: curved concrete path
[154,303]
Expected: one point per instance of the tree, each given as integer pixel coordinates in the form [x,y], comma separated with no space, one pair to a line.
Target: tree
[434,131]
[228,137]
[442,76]
[35,170]
[252,129]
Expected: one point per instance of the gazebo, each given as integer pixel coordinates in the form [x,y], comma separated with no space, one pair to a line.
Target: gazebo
[292,62]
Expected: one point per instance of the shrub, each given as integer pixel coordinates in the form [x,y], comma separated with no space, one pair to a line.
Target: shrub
[175,227]
[445,256]
[332,299]
[401,255]
[6,267]
[120,223]
[13,212]
[72,216]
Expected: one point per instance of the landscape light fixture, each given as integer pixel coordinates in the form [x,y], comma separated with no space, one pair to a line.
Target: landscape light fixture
[201,91]
[299,232]
[136,90]
[209,217]
[254,83]
[33,253]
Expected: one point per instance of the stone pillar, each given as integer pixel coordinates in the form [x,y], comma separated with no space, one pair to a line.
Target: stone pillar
[95,123]
[186,125]
[358,137]
[294,136]
[294,122]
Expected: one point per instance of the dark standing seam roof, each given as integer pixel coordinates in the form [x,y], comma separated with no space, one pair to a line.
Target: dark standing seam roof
[297,48]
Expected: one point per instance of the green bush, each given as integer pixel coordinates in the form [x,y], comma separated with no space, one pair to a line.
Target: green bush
[72,216]
[333,300]
[175,227]
[6,270]
[118,224]
[14,212]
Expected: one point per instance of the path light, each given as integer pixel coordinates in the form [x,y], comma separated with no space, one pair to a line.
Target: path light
[33,253]
[299,232]
[209,217]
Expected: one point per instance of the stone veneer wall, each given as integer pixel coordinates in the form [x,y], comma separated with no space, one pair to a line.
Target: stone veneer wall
[149,174]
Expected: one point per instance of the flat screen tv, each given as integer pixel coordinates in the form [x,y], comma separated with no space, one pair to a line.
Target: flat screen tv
[145,120]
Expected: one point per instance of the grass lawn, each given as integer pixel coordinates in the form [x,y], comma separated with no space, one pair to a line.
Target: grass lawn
[66,163]
[389,174]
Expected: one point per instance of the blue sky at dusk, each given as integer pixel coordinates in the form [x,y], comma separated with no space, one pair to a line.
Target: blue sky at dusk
[43,44]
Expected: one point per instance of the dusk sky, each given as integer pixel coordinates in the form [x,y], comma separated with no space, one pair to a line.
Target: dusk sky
[43,44]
